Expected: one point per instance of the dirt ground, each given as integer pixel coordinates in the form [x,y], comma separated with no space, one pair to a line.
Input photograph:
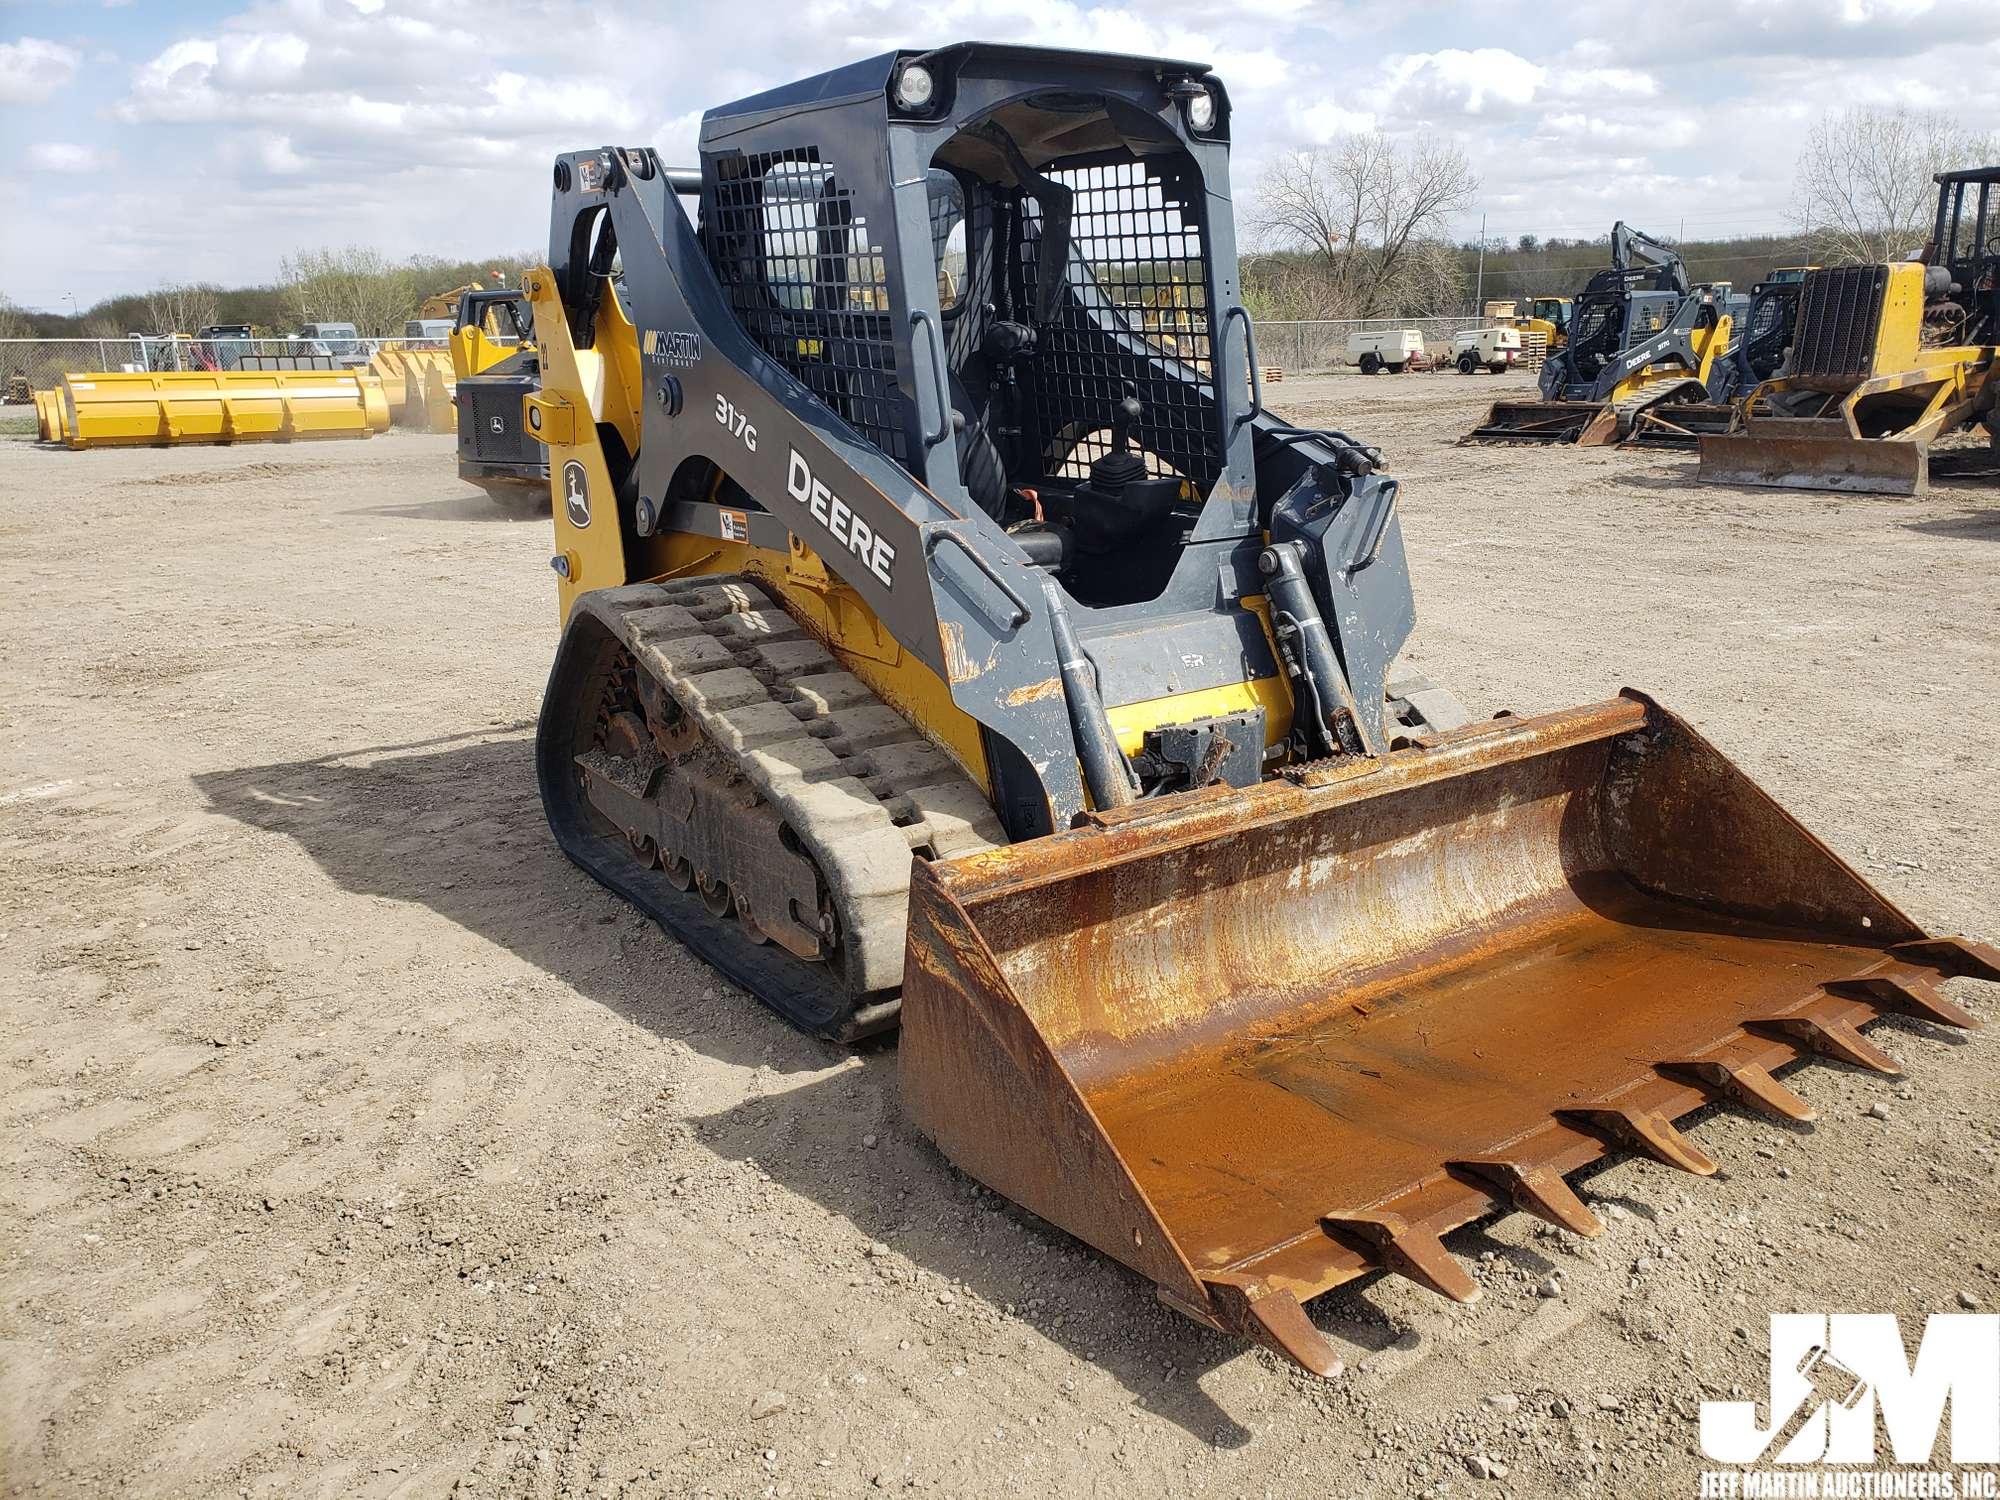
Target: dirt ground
[358,1145]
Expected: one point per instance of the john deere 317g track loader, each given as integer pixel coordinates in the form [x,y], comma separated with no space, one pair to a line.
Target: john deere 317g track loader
[952,637]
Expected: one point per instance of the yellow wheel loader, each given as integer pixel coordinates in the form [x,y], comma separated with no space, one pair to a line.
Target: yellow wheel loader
[1639,338]
[1886,360]
[976,652]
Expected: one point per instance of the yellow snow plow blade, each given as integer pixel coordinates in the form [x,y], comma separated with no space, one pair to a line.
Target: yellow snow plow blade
[418,386]
[118,409]
[49,426]
[1255,1044]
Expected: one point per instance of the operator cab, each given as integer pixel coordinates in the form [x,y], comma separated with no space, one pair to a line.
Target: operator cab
[1073,350]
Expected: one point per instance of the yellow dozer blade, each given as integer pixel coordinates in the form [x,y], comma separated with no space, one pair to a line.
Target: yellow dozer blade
[1255,1044]
[126,409]
[1814,453]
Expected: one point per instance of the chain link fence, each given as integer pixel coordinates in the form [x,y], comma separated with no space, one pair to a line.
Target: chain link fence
[1307,348]
[1298,348]
[45,361]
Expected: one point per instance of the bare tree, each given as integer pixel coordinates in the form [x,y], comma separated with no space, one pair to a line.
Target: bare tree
[1359,205]
[182,307]
[1864,191]
[14,322]
[1431,280]
[352,285]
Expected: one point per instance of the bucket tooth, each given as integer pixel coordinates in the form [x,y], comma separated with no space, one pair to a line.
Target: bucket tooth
[1746,1084]
[1408,1251]
[1955,957]
[1273,1317]
[1537,1190]
[1837,1039]
[1644,1130]
[1910,997]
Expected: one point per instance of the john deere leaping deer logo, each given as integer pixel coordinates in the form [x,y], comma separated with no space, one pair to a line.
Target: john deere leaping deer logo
[576,495]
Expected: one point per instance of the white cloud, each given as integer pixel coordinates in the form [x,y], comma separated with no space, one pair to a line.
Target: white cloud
[1494,81]
[31,69]
[1464,82]
[64,156]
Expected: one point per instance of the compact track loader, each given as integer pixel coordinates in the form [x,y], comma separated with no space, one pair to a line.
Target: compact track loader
[1886,360]
[951,637]
[1640,339]
[1763,339]
[497,368]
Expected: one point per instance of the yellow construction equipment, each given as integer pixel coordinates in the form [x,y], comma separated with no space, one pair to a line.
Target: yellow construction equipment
[1640,337]
[1547,316]
[445,304]
[489,328]
[978,652]
[417,385]
[498,368]
[151,408]
[390,366]
[49,423]
[1886,360]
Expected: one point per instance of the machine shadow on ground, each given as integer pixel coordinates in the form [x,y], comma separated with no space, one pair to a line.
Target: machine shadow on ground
[1974,524]
[455,824]
[463,504]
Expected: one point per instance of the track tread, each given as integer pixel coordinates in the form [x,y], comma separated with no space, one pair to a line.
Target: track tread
[856,782]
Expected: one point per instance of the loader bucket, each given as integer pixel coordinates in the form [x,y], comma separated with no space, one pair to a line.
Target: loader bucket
[1814,454]
[1255,1044]
[1534,422]
[1680,424]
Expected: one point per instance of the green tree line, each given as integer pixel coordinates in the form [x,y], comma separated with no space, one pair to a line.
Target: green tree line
[351,285]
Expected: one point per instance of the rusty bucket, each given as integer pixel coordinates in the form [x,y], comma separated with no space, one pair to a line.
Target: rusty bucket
[1257,1043]
[1535,422]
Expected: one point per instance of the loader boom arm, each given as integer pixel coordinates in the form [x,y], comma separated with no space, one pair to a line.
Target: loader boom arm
[1629,245]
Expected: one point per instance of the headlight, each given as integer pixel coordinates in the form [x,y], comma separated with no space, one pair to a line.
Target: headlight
[914,87]
[1201,111]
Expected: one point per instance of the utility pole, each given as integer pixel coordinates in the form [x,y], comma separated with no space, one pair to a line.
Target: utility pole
[1479,285]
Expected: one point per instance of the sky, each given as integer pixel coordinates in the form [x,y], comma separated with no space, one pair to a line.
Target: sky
[143,143]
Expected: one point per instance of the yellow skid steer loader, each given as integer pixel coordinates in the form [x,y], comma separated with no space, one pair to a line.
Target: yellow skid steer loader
[952,638]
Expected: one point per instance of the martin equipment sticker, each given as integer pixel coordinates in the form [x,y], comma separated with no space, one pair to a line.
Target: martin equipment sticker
[735,525]
[671,347]
[576,495]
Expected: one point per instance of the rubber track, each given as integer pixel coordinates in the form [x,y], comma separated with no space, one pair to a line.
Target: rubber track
[858,785]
